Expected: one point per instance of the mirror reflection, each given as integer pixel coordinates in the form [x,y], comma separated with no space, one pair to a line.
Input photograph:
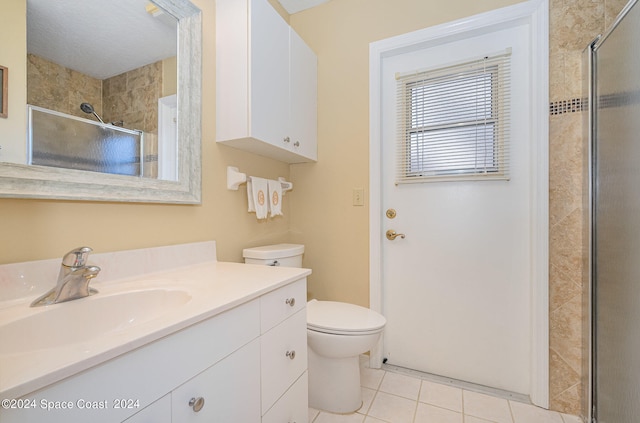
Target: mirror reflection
[102,80]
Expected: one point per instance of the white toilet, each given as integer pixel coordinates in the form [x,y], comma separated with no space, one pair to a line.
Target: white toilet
[337,333]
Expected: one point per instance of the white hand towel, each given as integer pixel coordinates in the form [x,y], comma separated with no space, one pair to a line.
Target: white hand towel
[252,204]
[275,198]
[260,196]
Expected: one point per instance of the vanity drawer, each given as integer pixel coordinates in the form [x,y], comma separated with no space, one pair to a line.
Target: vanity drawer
[283,356]
[293,406]
[278,305]
[230,391]
[158,412]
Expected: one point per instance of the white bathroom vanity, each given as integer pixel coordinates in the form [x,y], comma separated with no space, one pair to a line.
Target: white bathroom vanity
[200,341]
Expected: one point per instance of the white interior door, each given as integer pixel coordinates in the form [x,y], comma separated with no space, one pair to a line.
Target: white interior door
[456,290]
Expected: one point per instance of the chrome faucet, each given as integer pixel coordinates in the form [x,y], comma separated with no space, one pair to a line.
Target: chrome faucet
[73,279]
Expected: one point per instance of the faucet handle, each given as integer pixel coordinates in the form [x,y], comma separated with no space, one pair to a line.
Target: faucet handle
[76,257]
[91,272]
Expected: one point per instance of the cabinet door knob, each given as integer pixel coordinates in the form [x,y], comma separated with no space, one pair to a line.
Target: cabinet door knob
[290,301]
[196,403]
[296,144]
[291,354]
[287,139]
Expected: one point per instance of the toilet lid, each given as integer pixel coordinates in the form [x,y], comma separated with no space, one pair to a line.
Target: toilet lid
[336,317]
[268,252]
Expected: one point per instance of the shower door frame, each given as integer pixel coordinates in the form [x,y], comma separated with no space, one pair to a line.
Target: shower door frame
[588,318]
[590,128]
[535,12]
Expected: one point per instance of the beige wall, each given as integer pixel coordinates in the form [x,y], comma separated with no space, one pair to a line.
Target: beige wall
[169,76]
[35,229]
[13,56]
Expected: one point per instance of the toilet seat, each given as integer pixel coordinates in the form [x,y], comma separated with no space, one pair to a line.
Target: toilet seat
[342,318]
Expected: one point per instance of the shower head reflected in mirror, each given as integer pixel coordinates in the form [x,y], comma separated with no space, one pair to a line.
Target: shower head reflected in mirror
[88,108]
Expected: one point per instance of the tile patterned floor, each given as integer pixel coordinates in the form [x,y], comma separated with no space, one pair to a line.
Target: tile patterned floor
[390,397]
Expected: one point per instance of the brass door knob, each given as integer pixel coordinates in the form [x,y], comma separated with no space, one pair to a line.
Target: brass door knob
[391,235]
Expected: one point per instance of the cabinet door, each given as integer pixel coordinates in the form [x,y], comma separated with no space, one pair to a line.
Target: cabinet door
[230,390]
[158,412]
[269,87]
[303,97]
[293,407]
[284,357]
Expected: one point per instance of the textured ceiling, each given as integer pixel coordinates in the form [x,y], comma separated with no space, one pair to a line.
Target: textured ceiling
[295,6]
[100,38]
[104,38]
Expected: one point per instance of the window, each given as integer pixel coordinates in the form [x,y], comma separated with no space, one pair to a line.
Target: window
[454,122]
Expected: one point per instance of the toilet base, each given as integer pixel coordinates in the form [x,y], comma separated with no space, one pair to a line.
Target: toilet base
[334,383]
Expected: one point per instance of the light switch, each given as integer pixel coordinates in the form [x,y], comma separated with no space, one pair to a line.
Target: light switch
[358,196]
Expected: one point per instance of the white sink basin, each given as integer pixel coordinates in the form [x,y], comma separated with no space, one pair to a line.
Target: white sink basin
[88,318]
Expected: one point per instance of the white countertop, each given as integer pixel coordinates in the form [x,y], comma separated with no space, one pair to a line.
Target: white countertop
[214,288]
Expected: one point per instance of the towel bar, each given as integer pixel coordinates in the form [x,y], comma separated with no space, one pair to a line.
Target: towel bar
[235,178]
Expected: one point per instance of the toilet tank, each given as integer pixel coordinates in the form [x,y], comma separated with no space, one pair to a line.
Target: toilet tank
[288,255]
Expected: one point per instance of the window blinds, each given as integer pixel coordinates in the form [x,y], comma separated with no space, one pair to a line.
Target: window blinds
[454,122]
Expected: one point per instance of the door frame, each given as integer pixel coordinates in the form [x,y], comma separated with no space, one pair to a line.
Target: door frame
[167,138]
[535,13]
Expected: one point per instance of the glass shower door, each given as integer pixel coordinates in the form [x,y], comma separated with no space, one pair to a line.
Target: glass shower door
[617,222]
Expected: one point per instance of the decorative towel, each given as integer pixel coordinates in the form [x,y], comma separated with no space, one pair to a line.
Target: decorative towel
[275,198]
[260,196]
[252,204]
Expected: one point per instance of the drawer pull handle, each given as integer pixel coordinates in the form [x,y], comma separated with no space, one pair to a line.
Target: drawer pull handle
[291,354]
[196,403]
[291,301]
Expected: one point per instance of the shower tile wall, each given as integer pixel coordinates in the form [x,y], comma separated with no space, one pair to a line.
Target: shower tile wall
[573,25]
[55,87]
[131,96]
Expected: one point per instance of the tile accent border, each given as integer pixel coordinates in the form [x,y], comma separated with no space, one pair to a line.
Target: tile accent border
[568,106]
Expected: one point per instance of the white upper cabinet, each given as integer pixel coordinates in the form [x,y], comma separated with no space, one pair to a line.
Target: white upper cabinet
[268,91]
[303,95]
[266,83]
